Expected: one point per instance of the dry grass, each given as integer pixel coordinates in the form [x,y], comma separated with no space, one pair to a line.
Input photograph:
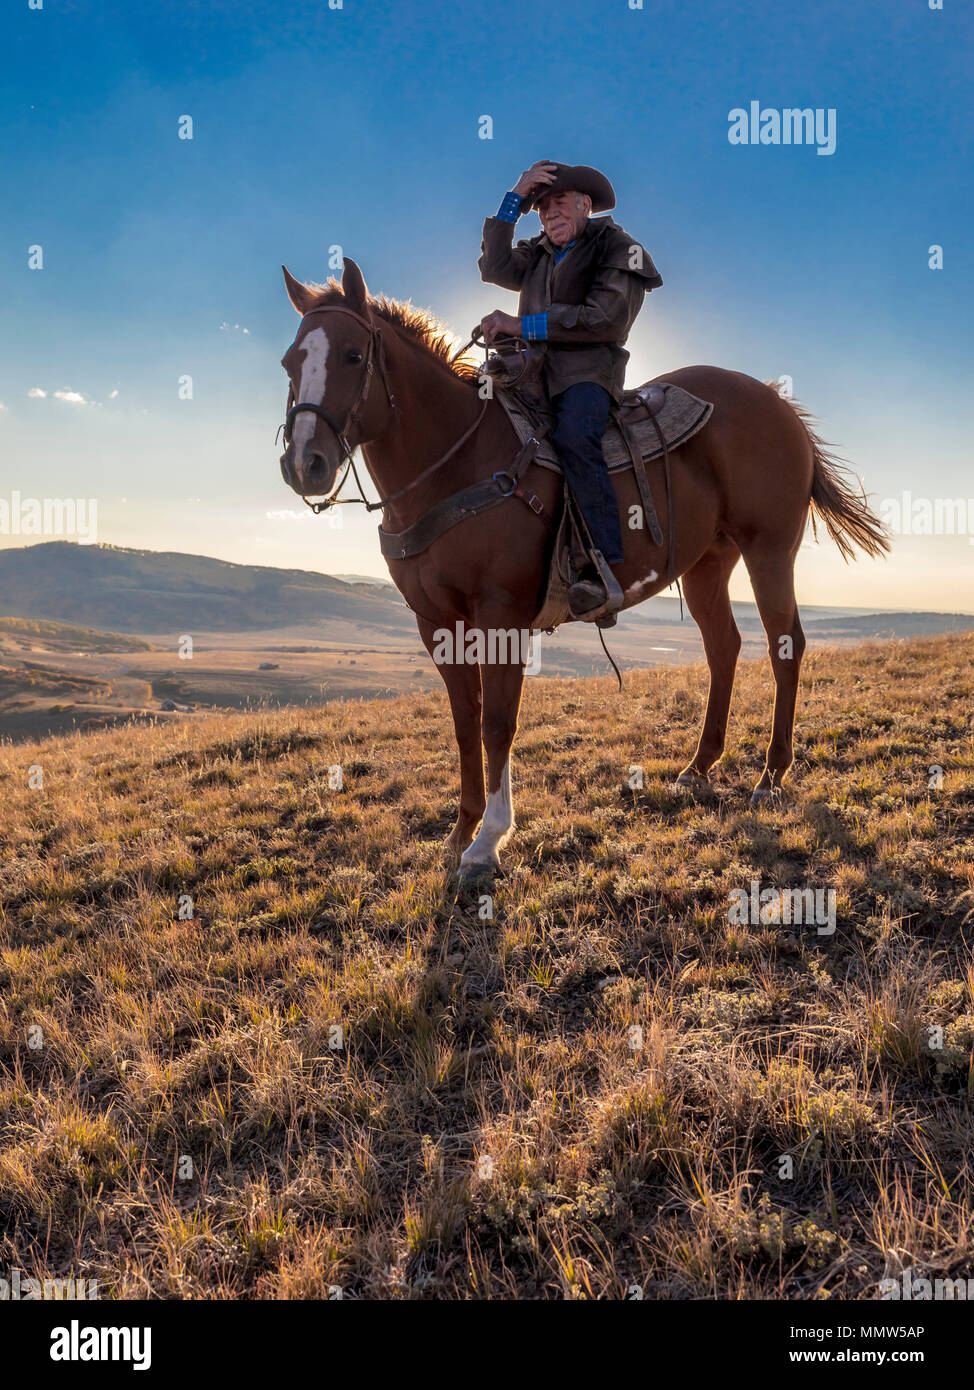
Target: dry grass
[596,1088]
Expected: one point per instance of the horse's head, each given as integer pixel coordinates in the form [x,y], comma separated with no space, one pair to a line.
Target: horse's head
[331,366]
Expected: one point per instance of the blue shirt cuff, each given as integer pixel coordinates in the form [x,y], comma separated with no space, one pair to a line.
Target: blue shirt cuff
[510,208]
[534,327]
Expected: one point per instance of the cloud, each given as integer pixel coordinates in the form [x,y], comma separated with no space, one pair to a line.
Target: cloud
[232,328]
[113,394]
[3,408]
[288,515]
[36,393]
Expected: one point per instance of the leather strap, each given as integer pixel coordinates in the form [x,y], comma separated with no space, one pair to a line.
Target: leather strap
[445,458]
[653,398]
[670,510]
[470,501]
[639,468]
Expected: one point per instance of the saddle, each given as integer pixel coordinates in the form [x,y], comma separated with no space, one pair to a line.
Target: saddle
[650,422]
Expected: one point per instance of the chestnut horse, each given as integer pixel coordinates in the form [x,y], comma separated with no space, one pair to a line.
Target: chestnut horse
[379,374]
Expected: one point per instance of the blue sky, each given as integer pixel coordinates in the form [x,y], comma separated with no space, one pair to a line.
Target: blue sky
[359,127]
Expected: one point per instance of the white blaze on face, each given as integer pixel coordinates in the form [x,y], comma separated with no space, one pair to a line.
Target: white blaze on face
[311,390]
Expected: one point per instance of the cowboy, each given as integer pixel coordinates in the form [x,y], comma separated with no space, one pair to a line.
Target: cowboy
[582,283]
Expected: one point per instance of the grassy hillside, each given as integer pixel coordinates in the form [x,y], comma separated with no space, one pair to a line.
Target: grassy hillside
[81,639]
[594,1089]
[157,591]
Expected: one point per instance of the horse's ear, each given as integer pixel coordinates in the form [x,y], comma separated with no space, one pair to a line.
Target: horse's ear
[300,296]
[353,287]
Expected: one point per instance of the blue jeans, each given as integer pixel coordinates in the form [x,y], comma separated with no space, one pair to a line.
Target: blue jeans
[583,413]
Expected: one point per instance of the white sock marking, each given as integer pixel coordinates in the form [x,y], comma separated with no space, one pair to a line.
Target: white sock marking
[497,824]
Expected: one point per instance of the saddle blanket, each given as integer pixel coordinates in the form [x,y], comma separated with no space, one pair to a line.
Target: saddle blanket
[680,417]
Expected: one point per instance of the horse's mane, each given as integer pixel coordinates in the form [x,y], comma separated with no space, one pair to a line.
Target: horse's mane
[419,324]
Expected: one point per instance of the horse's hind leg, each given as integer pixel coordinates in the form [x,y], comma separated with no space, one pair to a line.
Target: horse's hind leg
[773,582]
[705,587]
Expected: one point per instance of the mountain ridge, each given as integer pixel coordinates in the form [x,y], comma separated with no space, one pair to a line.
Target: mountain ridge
[133,590]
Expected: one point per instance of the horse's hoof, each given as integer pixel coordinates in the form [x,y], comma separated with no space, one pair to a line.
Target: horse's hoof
[765,796]
[690,782]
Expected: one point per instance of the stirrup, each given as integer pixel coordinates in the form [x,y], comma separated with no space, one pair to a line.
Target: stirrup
[614,598]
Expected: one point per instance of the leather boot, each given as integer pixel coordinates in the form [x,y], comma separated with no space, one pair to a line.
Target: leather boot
[589,600]
[586,595]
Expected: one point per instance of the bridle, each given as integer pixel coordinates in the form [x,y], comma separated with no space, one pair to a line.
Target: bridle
[374,355]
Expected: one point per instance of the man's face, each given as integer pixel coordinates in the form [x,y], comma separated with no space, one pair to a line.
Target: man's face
[563,215]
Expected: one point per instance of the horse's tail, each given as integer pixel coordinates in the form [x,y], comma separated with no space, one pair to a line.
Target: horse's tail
[838,499]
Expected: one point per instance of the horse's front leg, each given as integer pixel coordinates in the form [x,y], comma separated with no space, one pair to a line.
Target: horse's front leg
[502,697]
[463,687]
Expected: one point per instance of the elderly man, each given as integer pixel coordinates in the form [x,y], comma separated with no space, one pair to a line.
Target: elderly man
[581,283]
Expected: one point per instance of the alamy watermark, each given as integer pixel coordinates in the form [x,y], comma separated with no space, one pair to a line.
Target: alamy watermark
[77,1343]
[907,515]
[491,646]
[759,906]
[17,1288]
[50,516]
[915,1288]
[792,125]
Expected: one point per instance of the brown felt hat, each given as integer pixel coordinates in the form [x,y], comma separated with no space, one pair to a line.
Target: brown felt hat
[578,178]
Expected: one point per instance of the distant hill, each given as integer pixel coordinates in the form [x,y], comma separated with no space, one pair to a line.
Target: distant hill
[147,591]
[364,579]
[80,639]
[824,624]
[106,586]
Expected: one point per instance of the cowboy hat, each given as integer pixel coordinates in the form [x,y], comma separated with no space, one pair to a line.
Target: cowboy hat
[577,178]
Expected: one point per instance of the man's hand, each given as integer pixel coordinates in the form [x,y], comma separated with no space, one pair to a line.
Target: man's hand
[535,178]
[499,324]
